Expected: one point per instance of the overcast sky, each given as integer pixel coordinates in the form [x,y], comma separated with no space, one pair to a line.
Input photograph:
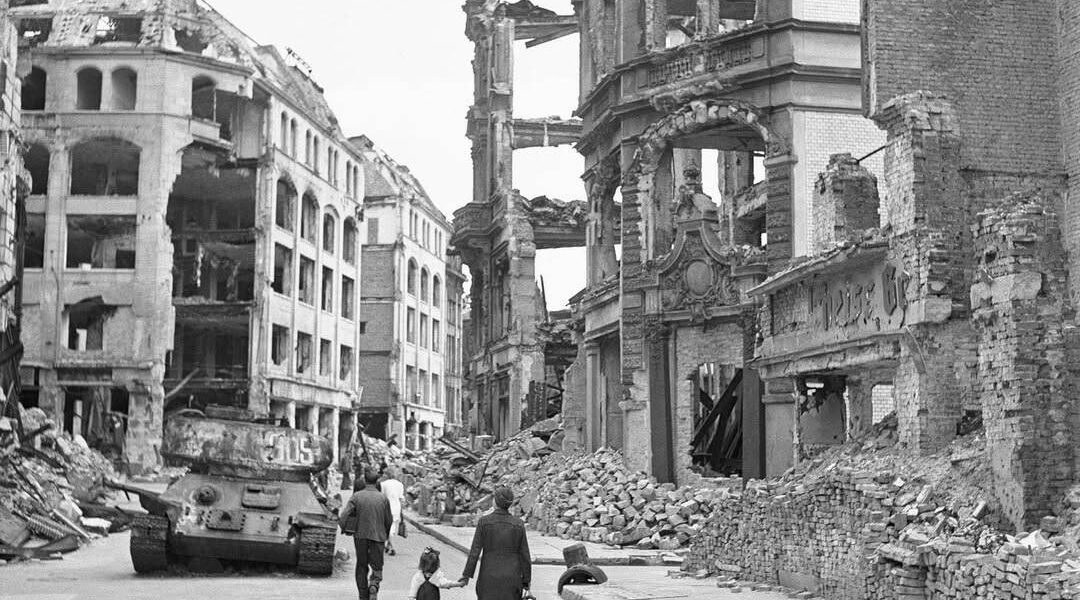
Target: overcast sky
[400,72]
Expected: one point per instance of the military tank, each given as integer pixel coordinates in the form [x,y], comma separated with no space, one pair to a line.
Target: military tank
[248,496]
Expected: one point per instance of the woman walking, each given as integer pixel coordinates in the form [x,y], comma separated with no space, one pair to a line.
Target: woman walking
[502,549]
[395,493]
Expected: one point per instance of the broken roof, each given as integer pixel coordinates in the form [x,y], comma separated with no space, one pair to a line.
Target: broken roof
[188,27]
[390,177]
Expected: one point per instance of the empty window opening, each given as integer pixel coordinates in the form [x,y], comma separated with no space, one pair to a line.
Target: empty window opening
[285,208]
[88,92]
[307,147]
[436,290]
[190,41]
[124,89]
[35,31]
[412,274]
[309,218]
[348,297]
[293,138]
[105,167]
[100,242]
[34,252]
[86,324]
[307,281]
[348,241]
[303,352]
[118,29]
[424,285]
[328,238]
[345,363]
[423,331]
[37,162]
[283,143]
[436,334]
[283,264]
[328,289]
[279,346]
[410,325]
[203,98]
[326,358]
[315,155]
[33,89]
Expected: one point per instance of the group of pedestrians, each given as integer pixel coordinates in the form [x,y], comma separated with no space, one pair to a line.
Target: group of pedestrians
[499,545]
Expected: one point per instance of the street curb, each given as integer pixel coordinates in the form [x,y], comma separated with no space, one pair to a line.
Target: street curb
[627,561]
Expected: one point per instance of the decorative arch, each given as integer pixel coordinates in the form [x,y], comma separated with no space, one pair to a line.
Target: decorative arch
[309,217]
[329,230]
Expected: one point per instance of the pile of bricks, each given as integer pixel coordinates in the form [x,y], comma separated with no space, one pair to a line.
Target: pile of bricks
[594,498]
[847,534]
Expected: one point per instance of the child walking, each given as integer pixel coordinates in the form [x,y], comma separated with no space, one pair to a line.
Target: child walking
[429,578]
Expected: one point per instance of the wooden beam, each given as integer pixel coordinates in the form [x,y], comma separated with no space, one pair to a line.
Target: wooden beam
[723,406]
[543,39]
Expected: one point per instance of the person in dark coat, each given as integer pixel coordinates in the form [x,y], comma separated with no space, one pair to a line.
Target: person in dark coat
[502,549]
[372,523]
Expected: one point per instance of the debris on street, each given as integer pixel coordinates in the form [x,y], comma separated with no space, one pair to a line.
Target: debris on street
[52,493]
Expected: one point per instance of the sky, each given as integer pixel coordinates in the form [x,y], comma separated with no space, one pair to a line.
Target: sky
[401,73]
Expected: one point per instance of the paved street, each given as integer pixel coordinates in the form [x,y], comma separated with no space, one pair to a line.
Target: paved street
[103,570]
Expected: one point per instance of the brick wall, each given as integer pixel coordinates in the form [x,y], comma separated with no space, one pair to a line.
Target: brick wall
[825,134]
[375,377]
[845,203]
[379,272]
[1069,96]
[995,61]
[379,328]
[1028,384]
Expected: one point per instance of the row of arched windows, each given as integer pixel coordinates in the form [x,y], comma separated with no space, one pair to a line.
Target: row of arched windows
[88,92]
[435,294]
[313,155]
[285,218]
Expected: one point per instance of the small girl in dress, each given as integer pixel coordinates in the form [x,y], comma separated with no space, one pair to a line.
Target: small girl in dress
[429,578]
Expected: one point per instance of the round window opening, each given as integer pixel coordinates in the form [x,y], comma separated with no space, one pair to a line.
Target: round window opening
[699,278]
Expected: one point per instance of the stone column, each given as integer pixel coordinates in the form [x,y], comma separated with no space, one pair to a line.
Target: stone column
[779,211]
[290,413]
[335,423]
[779,401]
[593,397]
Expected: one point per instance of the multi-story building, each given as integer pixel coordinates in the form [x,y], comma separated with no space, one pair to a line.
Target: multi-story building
[193,224]
[13,190]
[410,308]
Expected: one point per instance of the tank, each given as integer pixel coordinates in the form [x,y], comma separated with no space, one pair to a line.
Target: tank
[248,496]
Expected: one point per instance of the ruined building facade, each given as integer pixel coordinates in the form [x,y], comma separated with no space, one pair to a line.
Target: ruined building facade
[14,187]
[193,225]
[411,307]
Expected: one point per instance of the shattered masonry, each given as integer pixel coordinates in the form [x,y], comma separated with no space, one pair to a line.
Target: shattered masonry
[890,233]
[193,225]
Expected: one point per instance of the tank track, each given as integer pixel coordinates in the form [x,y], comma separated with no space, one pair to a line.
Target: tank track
[149,543]
[316,551]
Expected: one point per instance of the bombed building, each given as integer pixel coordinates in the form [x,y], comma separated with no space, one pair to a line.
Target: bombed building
[192,226]
[411,304]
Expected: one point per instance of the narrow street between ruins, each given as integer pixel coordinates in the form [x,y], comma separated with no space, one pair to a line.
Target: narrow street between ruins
[103,570]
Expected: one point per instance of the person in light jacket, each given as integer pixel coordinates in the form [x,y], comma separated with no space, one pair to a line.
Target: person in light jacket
[502,549]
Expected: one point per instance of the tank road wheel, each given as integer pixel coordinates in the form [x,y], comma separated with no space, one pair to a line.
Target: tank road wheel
[316,551]
[149,540]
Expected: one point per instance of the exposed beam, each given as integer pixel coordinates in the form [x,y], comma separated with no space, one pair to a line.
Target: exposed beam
[551,37]
[536,133]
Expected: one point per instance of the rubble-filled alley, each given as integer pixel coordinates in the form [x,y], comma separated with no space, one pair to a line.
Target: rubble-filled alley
[817,337]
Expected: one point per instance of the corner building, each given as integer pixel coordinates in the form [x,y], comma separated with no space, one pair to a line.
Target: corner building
[192,225]
[411,306]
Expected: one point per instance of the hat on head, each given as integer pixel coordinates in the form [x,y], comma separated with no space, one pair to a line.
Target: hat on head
[504,497]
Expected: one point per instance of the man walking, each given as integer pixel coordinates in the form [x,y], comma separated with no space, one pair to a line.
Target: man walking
[369,509]
[394,491]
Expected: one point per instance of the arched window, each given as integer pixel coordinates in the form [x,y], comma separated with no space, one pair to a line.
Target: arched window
[284,143]
[307,147]
[203,98]
[105,167]
[125,83]
[33,89]
[424,285]
[37,162]
[348,177]
[315,154]
[411,283]
[293,138]
[436,290]
[88,92]
[329,224]
[348,241]
[285,209]
[309,218]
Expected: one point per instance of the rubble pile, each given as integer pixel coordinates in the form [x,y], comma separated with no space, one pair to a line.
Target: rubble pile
[865,526]
[52,490]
